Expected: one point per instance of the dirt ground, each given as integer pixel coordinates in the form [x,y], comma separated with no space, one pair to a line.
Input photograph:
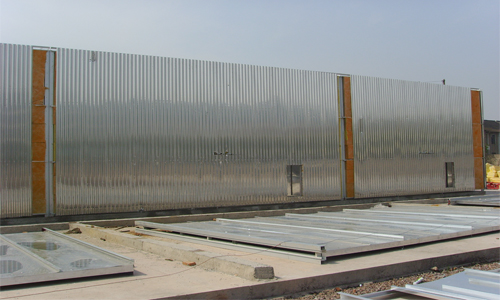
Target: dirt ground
[372,287]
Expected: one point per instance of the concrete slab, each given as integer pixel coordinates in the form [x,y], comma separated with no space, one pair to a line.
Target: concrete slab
[183,253]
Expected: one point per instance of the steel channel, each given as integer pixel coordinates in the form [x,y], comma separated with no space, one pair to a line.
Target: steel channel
[321,237]
[477,202]
[90,246]
[423,213]
[313,228]
[382,221]
[437,219]
[469,292]
[340,97]
[235,237]
[344,296]
[484,283]
[64,275]
[337,225]
[49,133]
[484,274]
[313,258]
[316,238]
[417,293]
[439,293]
[381,246]
[452,210]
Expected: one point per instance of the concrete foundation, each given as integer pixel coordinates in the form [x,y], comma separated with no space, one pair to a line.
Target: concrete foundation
[205,259]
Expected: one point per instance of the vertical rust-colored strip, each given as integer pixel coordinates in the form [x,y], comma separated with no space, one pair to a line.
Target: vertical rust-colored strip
[477,139]
[38,146]
[349,147]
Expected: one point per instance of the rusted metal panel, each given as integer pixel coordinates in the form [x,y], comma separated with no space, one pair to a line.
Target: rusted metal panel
[349,146]
[477,133]
[38,131]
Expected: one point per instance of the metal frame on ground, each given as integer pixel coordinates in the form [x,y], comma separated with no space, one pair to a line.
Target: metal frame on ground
[316,237]
[59,257]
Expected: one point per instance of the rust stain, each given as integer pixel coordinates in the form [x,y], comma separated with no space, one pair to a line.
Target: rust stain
[38,206]
[38,114]
[347,97]
[38,170]
[476,106]
[478,170]
[348,131]
[349,152]
[349,145]
[38,83]
[38,143]
[349,174]
[477,139]
[38,151]
[38,133]
[350,191]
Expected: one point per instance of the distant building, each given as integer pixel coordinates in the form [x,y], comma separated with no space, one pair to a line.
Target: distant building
[491,136]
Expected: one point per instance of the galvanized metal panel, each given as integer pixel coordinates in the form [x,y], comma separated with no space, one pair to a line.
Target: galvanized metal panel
[327,234]
[151,133]
[49,255]
[404,132]
[15,130]
[470,284]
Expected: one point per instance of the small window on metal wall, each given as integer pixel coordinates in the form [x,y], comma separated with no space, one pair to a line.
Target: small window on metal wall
[450,174]
[493,139]
[294,180]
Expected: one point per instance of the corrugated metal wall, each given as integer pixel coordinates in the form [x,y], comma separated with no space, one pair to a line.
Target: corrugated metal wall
[149,133]
[139,133]
[404,132]
[15,130]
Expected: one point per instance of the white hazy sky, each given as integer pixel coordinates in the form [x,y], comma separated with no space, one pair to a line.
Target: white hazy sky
[419,40]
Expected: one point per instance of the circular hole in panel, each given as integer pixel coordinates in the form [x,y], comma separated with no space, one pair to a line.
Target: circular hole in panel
[10,266]
[3,249]
[40,245]
[81,263]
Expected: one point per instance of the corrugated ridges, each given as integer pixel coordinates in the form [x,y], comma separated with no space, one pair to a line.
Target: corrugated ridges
[404,132]
[139,132]
[15,130]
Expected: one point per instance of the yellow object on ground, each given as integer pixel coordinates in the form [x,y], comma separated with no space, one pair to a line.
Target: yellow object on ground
[492,173]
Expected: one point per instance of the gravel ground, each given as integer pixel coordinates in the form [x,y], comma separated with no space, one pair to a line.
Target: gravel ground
[372,287]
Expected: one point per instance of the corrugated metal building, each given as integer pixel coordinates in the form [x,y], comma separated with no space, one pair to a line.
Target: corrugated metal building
[86,132]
